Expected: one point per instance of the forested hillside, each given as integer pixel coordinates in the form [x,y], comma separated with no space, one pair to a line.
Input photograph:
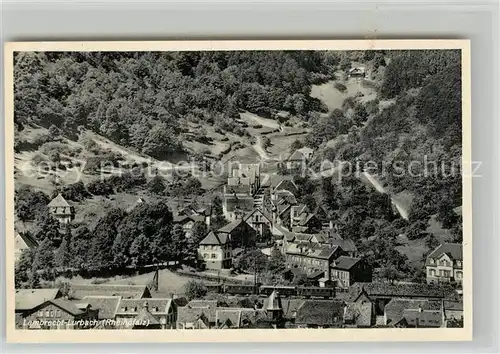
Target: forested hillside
[147,102]
[143,100]
[410,137]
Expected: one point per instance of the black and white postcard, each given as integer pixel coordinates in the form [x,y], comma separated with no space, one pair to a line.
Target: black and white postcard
[238,191]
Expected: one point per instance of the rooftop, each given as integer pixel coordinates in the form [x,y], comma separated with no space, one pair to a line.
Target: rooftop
[23,240]
[345,263]
[453,250]
[27,299]
[358,313]
[231,226]
[394,310]
[320,312]
[107,305]
[214,239]
[58,202]
[134,306]
[68,306]
[79,291]
[398,290]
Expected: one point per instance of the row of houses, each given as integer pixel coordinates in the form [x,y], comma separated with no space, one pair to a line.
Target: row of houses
[366,305]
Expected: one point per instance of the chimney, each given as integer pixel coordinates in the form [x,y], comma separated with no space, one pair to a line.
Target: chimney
[208,219]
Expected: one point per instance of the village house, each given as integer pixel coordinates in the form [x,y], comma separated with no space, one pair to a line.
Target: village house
[60,209]
[260,221]
[346,271]
[197,314]
[80,291]
[320,314]
[303,221]
[188,221]
[107,306]
[359,314]
[444,264]
[192,318]
[152,313]
[312,258]
[239,233]
[28,299]
[382,293]
[215,251]
[23,241]
[61,314]
[283,183]
[238,318]
[296,162]
[414,313]
[359,72]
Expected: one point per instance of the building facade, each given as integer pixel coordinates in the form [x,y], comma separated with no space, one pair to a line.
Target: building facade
[346,271]
[311,258]
[215,251]
[444,264]
[61,314]
[60,209]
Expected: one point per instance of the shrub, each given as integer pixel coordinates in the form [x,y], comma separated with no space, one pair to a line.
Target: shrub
[340,87]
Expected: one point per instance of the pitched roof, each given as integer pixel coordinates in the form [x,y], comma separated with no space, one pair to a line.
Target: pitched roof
[296,156]
[346,245]
[425,318]
[345,263]
[188,314]
[144,316]
[398,290]
[107,305]
[262,212]
[234,317]
[320,312]
[214,239]
[394,310]
[68,306]
[273,180]
[313,250]
[79,291]
[286,185]
[231,226]
[134,306]
[25,240]
[59,202]
[27,299]
[453,250]
[358,313]
[209,306]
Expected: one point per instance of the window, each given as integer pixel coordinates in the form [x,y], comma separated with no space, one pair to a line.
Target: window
[58,313]
[124,309]
[431,260]
[459,263]
[40,313]
[51,313]
[432,272]
[459,275]
[46,313]
[213,255]
[205,255]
